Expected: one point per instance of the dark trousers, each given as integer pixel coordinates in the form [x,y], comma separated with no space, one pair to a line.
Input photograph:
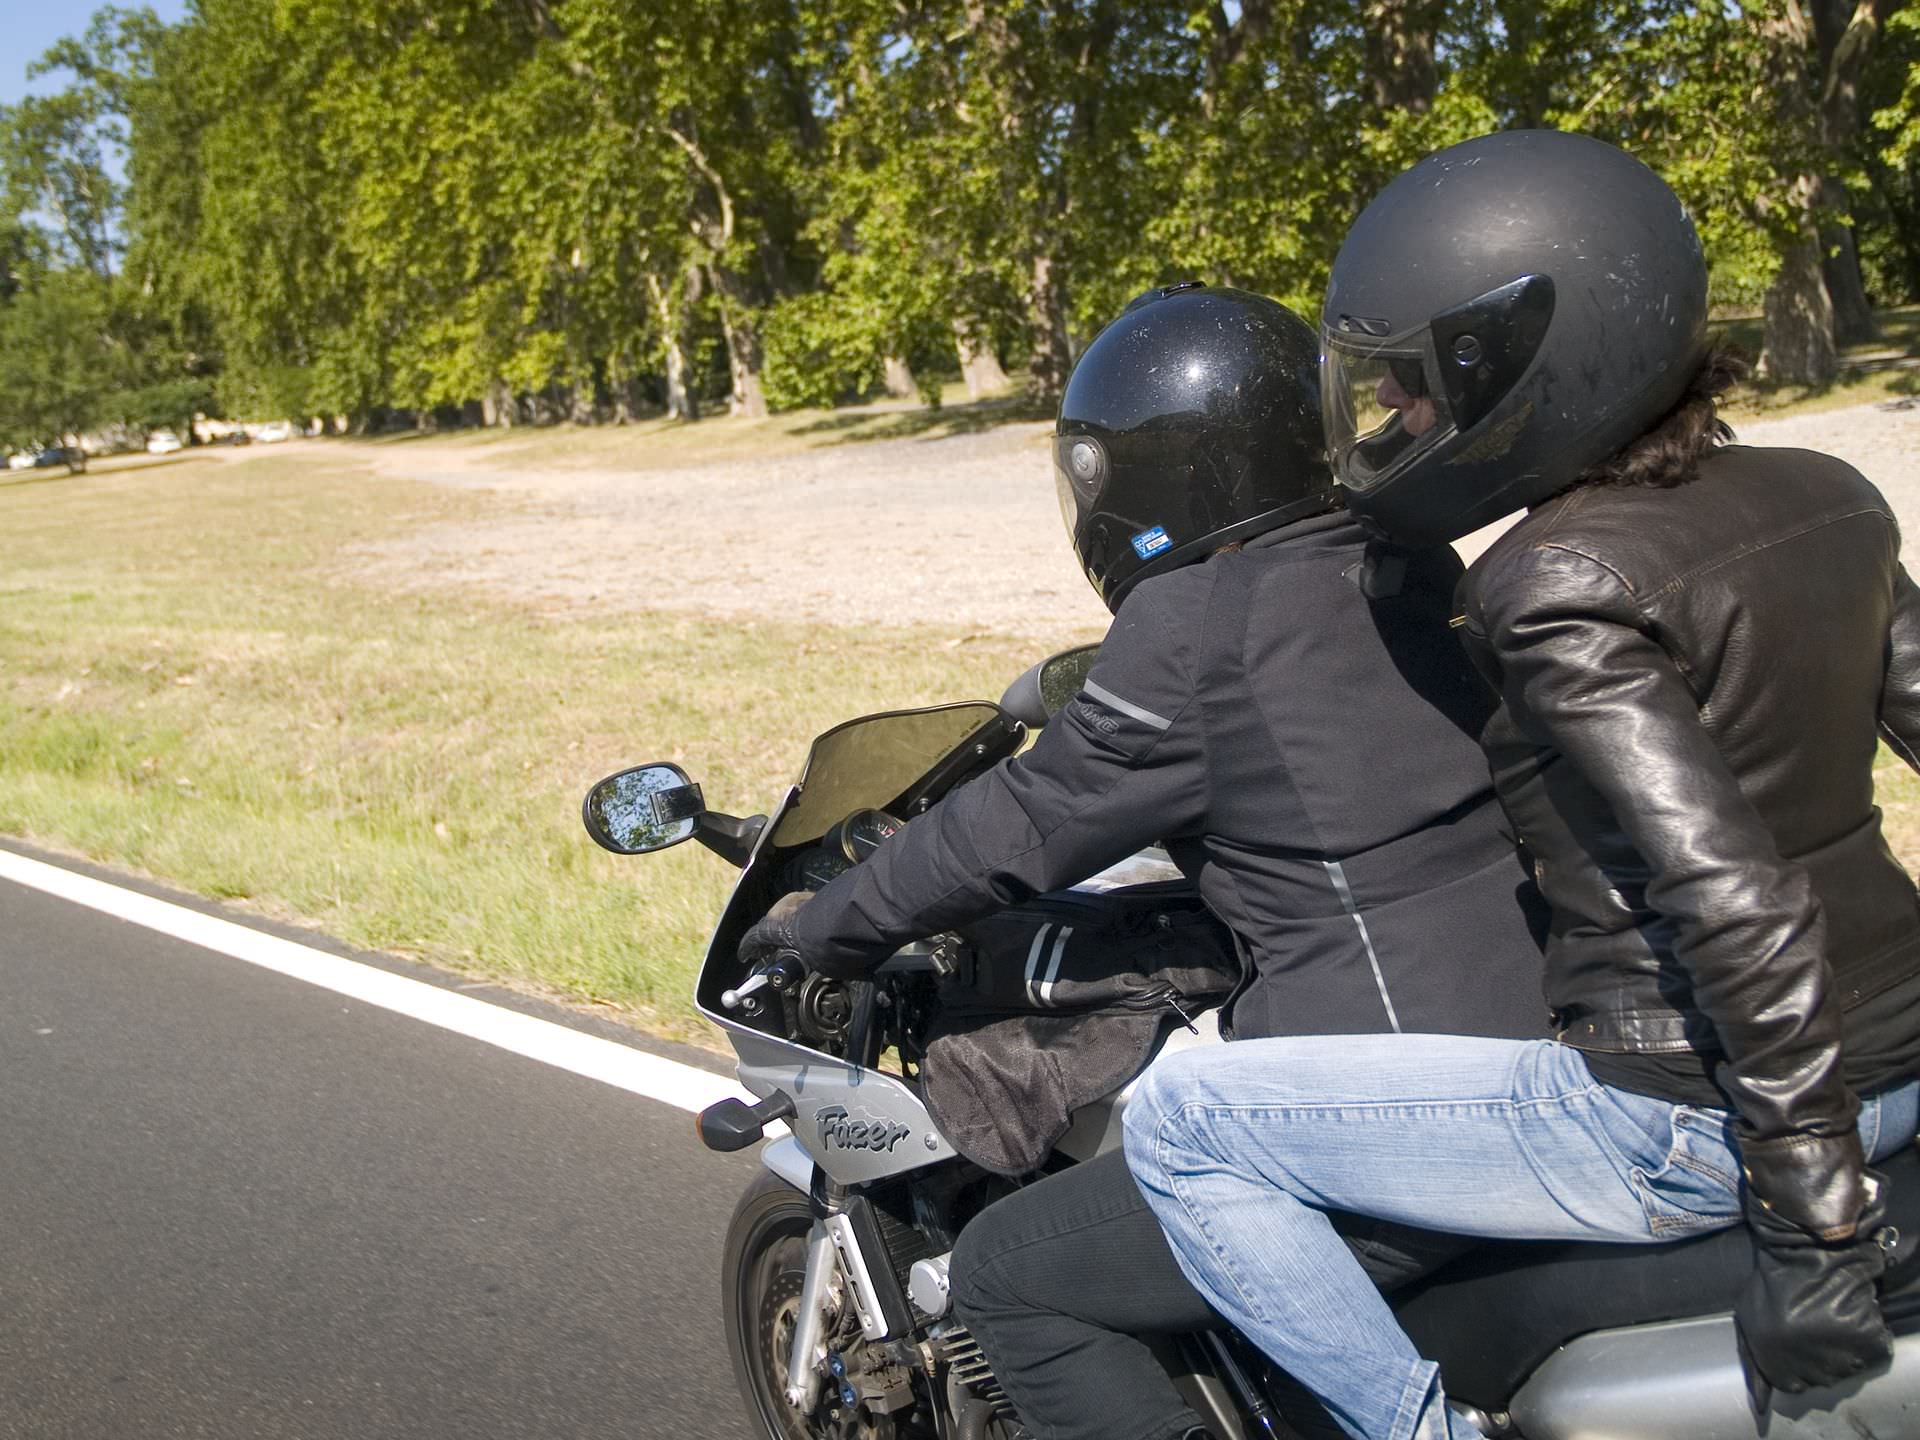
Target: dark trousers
[1059,1279]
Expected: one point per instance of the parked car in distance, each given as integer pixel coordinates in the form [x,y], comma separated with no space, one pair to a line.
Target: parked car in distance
[235,436]
[163,442]
[60,455]
[275,431]
[20,460]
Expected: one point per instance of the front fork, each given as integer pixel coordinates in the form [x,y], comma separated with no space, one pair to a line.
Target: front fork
[810,1326]
[838,1271]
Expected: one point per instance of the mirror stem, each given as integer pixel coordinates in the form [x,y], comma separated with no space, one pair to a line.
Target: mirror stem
[728,836]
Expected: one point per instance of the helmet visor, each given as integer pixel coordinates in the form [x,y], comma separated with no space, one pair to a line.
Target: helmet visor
[1382,402]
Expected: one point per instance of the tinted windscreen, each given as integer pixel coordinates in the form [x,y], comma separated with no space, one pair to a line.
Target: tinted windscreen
[866,764]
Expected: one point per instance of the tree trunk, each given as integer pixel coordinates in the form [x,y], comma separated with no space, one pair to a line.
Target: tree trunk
[1853,322]
[498,407]
[1797,343]
[1052,356]
[1816,58]
[743,347]
[748,400]
[1400,52]
[620,387]
[1845,35]
[1230,40]
[897,376]
[680,402]
[1798,349]
[979,366]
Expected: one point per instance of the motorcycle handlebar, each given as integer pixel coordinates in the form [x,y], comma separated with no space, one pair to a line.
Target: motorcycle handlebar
[783,972]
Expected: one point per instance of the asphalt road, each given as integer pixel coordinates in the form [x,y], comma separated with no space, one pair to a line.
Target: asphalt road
[236,1205]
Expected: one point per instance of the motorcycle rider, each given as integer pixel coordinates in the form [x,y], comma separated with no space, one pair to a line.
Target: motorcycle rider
[1694,646]
[1363,869]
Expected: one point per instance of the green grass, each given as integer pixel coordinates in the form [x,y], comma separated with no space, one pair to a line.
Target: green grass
[1896,790]
[195,683]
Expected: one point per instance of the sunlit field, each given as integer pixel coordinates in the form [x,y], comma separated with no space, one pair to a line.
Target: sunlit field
[195,684]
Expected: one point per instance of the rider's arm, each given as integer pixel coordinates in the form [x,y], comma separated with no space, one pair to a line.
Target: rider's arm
[1900,696]
[1582,674]
[1120,767]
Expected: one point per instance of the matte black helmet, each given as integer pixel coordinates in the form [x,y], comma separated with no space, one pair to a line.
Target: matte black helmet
[1505,315]
[1190,422]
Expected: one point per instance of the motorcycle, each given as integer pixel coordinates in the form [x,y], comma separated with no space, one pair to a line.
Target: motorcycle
[836,1276]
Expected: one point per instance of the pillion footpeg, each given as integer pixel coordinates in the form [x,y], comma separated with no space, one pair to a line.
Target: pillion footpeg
[734,1124]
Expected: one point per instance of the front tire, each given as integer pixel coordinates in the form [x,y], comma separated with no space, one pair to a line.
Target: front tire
[761,1277]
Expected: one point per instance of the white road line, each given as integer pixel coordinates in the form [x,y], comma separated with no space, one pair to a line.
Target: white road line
[621,1066]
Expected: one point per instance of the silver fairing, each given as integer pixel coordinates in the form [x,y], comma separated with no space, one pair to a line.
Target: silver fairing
[1681,1380]
[857,1124]
[860,1124]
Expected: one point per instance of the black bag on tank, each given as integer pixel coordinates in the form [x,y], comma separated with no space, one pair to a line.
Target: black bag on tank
[1059,1002]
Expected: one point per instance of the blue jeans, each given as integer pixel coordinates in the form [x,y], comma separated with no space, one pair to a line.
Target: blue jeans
[1240,1152]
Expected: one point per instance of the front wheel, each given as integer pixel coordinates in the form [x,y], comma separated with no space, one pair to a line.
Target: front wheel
[761,1278]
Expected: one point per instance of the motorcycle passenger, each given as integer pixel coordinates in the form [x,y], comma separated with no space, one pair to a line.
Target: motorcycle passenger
[1696,647]
[1362,868]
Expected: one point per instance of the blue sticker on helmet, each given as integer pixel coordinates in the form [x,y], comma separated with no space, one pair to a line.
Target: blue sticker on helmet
[1151,542]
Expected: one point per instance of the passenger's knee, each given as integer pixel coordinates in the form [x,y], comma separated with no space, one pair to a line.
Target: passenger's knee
[1153,1113]
[979,1282]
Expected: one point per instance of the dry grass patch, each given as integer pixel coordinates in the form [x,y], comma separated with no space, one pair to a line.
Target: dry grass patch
[192,685]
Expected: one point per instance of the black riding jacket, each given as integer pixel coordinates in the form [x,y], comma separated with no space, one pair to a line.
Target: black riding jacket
[1695,682]
[1308,756]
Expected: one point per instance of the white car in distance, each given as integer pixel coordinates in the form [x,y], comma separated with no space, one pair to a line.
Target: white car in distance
[273,432]
[163,442]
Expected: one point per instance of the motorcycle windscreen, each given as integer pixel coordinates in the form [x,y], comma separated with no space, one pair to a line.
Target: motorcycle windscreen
[869,763]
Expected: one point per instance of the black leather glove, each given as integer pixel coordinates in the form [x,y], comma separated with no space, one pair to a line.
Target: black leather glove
[773,934]
[1810,1316]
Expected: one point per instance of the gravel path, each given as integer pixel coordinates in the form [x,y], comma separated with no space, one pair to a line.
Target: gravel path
[959,532]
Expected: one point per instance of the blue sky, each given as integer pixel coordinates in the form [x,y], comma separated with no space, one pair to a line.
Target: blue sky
[28,27]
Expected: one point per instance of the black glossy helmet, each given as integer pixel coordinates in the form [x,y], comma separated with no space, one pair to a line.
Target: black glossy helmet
[1505,315]
[1190,422]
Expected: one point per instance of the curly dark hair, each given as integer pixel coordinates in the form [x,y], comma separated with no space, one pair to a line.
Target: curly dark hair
[1670,453]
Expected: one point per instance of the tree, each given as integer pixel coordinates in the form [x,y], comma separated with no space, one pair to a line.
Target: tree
[573,208]
[56,362]
[1815,57]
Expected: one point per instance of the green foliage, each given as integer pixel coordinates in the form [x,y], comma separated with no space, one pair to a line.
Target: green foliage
[346,206]
[56,360]
[820,351]
[1898,123]
[163,405]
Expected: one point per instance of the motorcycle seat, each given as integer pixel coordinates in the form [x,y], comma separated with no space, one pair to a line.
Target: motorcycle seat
[1491,1317]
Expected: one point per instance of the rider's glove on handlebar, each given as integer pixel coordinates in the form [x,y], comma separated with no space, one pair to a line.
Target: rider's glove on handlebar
[1810,1315]
[773,934]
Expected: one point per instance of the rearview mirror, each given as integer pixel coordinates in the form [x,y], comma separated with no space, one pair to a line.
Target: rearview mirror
[643,809]
[1062,676]
[1043,690]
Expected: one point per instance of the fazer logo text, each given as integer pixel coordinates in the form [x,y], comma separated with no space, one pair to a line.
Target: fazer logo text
[839,1130]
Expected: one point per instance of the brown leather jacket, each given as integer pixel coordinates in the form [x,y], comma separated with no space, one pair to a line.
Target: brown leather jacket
[1695,681]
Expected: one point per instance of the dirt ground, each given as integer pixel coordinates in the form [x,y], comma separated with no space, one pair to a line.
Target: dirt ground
[958,532]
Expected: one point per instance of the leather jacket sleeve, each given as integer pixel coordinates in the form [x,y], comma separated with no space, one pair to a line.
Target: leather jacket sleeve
[1583,675]
[1900,697]
[1119,768]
